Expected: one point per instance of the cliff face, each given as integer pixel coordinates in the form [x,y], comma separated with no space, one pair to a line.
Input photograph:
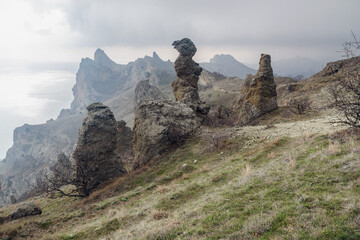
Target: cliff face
[36,147]
[34,150]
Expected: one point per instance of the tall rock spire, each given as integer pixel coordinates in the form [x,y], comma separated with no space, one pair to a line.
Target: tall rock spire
[186,85]
[259,95]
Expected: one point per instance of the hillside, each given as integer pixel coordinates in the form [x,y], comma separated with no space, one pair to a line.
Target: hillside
[290,176]
[36,147]
[294,180]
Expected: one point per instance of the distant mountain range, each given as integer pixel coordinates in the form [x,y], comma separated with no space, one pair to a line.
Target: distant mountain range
[227,65]
[292,67]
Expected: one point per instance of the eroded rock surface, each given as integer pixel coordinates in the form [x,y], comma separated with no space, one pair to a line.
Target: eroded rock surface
[159,125]
[95,155]
[144,91]
[24,210]
[258,96]
[185,87]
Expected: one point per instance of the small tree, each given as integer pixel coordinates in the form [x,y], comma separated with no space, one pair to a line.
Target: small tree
[346,91]
[351,48]
[346,98]
[62,173]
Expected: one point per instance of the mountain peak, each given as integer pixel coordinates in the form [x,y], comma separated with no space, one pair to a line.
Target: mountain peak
[155,55]
[222,57]
[227,65]
[101,57]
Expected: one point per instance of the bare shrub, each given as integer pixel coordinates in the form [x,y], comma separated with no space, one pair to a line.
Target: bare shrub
[62,173]
[351,48]
[220,117]
[346,98]
[345,92]
[300,105]
[217,139]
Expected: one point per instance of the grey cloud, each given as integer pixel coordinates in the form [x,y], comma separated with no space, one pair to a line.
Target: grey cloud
[210,22]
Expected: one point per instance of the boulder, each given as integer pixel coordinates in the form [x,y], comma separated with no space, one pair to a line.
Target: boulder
[144,91]
[24,210]
[185,87]
[158,126]
[258,96]
[95,157]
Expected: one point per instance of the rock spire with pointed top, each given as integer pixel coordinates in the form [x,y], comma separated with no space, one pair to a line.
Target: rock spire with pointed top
[258,95]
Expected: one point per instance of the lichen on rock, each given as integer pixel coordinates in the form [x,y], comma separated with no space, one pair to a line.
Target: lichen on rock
[158,126]
[95,157]
[258,96]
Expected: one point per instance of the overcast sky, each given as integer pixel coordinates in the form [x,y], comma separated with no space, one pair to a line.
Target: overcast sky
[42,41]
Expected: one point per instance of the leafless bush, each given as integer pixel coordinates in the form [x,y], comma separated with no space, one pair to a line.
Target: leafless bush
[351,48]
[217,139]
[220,117]
[62,173]
[300,105]
[346,98]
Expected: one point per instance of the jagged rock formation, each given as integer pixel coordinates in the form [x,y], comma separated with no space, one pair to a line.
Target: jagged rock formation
[185,87]
[258,95]
[124,148]
[227,65]
[36,147]
[34,151]
[102,80]
[95,157]
[144,91]
[158,126]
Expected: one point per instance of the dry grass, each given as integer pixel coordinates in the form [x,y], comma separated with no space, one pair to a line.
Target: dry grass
[271,155]
[159,214]
[334,149]
[287,188]
[162,188]
[246,171]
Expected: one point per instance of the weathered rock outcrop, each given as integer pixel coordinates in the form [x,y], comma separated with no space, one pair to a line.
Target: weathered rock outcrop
[160,124]
[95,157]
[185,87]
[258,95]
[124,147]
[24,210]
[36,147]
[144,91]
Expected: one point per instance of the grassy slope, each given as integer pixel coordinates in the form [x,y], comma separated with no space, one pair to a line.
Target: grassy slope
[286,188]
